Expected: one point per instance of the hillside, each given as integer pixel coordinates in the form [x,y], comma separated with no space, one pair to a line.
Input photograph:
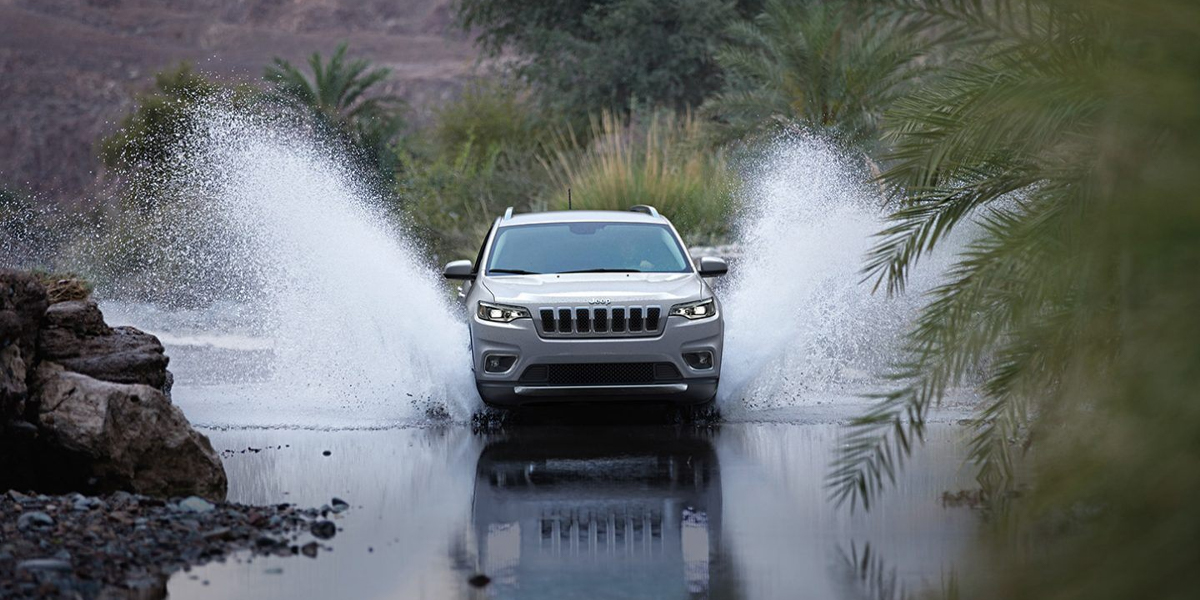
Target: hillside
[69,69]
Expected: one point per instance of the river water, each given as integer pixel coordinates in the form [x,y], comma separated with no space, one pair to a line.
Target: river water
[573,511]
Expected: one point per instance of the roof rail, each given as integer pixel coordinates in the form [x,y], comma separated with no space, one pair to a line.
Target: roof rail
[644,208]
[508,213]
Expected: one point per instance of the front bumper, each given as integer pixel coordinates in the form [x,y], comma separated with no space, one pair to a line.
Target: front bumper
[520,339]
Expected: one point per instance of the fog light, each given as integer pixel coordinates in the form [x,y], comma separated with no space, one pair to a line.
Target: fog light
[699,360]
[498,363]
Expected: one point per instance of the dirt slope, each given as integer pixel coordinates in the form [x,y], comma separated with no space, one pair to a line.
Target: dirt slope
[69,68]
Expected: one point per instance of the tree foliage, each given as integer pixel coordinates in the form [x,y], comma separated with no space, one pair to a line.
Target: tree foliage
[587,56]
[1067,130]
[340,96]
[830,66]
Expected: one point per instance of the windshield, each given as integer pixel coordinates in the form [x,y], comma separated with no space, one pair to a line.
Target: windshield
[586,248]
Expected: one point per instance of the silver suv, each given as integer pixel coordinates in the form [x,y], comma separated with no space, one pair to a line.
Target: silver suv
[591,306]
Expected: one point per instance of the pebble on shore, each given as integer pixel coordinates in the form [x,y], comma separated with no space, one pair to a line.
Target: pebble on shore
[127,545]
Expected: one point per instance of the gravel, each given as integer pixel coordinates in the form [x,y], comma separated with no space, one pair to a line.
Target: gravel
[127,546]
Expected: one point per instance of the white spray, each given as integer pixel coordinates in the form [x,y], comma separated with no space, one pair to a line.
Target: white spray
[800,327]
[360,331]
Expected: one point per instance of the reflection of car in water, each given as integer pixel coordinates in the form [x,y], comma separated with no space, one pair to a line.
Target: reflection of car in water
[611,514]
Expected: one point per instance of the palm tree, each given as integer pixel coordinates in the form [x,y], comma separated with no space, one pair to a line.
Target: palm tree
[1068,132]
[338,96]
[820,65]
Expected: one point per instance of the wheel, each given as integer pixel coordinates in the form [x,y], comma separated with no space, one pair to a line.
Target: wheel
[490,418]
[704,413]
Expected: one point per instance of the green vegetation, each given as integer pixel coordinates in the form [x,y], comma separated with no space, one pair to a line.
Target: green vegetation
[1069,130]
[660,163]
[827,66]
[338,98]
[482,155]
[141,151]
[587,56]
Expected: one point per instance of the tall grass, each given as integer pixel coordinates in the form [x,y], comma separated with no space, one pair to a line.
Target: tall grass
[661,162]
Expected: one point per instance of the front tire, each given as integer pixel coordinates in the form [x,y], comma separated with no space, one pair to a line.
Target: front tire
[704,413]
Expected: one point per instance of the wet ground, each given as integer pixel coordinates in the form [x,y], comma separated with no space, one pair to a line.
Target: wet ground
[558,509]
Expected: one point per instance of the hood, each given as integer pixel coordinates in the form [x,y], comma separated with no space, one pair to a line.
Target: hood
[573,289]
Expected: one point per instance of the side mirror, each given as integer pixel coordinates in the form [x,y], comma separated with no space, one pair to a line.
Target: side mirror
[711,266]
[459,269]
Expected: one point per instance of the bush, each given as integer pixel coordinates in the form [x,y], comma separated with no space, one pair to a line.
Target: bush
[660,162]
[490,115]
[483,156]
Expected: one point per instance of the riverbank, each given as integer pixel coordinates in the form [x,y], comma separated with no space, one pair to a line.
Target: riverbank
[127,546]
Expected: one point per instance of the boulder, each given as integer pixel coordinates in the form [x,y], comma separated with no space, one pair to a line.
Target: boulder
[13,389]
[75,336]
[22,305]
[125,436]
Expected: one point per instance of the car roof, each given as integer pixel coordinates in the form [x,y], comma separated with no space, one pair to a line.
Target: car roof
[580,216]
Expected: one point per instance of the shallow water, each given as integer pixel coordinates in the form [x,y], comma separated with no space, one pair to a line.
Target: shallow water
[563,511]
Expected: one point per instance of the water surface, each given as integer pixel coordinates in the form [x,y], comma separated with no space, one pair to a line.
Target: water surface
[552,511]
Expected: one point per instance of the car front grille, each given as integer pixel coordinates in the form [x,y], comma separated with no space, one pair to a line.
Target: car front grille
[631,321]
[600,373]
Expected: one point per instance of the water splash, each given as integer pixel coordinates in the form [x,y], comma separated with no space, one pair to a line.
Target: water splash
[800,327]
[359,330]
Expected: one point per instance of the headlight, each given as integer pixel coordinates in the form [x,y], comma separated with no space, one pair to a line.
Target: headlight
[695,310]
[501,313]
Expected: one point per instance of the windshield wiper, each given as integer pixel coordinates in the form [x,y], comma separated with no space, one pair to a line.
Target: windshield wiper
[513,272]
[604,271]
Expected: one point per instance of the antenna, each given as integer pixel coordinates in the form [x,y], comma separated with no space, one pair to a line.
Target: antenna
[568,198]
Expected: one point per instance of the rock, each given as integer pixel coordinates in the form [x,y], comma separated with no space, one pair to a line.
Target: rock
[84,503]
[44,564]
[22,306]
[339,505]
[220,533]
[323,529]
[479,580]
[76,337]
[310,549]
[34,520]
[326,453]
[13,389]
[126,436]
[195,504]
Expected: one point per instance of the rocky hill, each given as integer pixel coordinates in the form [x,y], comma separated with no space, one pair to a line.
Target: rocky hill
[69,69]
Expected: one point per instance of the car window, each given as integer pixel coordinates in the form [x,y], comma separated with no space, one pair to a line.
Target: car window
[587,247]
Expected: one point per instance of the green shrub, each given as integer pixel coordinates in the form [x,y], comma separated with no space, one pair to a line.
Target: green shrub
[481,156]
[660,162]
[489,116]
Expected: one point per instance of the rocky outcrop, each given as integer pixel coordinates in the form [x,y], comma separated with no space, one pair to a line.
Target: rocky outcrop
[131,435]
[85,407]
[75,336]
[22,306]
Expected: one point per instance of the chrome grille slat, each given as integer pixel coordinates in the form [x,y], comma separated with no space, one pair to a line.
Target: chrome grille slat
[600,321]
